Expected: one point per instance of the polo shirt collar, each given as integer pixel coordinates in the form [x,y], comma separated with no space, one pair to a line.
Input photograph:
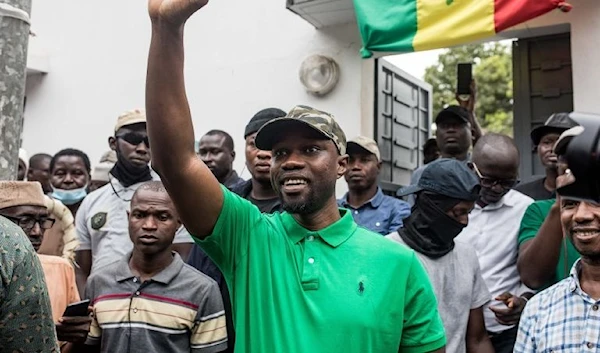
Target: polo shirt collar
[165,276]
[334,235]
[375,201]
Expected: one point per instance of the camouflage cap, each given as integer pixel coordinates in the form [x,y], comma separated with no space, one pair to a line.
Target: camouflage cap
[322,122]
[129,118]
[366,144]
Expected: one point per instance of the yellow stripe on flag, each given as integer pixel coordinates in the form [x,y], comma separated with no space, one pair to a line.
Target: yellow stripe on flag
[446,23]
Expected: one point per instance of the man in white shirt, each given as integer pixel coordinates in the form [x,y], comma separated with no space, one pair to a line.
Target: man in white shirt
[101,221]
[446,193]
[493,229]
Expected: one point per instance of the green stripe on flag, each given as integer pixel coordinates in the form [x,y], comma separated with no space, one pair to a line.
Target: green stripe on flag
[386,25]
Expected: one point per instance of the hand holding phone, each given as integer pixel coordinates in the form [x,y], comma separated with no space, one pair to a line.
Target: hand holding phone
[464,75]
[75,323]
[77,309]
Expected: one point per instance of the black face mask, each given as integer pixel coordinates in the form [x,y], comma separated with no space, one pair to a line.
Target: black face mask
[129,174]
[429,230]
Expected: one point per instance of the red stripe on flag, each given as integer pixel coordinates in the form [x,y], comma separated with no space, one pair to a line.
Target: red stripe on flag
[509,13]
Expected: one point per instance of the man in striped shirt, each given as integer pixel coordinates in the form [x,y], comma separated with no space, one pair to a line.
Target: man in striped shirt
[151,301]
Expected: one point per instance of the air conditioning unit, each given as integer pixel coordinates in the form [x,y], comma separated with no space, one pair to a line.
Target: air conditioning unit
[324,13]
[38,60]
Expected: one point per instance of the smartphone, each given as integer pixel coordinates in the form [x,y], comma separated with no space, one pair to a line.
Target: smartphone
[77,309]
[464,74]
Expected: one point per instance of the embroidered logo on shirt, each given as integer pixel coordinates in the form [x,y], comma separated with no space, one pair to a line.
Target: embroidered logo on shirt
[99,220]
[361,287]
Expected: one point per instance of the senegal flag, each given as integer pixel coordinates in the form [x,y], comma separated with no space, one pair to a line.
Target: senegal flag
[412,25]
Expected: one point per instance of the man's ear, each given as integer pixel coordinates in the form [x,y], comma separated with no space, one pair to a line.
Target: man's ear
[112,143]
[233,155]
[379,164]
[342,165]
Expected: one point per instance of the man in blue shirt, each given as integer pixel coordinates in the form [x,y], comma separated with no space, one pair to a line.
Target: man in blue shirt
[370,208]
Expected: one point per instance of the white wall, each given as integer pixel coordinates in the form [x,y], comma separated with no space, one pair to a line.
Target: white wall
[585,48]
[242,56]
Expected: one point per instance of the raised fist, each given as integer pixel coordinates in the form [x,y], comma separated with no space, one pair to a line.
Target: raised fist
[175,12]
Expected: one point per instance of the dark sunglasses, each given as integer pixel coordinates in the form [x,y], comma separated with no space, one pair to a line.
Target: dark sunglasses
[491,182]
[27,223]
[133,138]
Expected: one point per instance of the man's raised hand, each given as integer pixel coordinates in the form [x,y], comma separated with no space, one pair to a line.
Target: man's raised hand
[174,12]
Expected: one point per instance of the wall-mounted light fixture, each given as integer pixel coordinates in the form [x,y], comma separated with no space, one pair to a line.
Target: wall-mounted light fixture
[319,74]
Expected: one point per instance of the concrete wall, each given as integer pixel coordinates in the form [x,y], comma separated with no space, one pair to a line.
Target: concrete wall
[242,56]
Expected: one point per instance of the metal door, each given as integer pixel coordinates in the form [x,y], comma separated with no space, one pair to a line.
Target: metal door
[402,123]
[542,85]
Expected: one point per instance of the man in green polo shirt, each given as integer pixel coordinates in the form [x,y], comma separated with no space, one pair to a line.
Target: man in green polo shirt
[545,255]
[305,280]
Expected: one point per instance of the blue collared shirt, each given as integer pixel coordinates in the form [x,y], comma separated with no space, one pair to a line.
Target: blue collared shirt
[563,318]
[382,214]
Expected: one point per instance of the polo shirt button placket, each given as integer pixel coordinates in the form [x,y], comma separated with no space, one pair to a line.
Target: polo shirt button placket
[134,310]
[310,277]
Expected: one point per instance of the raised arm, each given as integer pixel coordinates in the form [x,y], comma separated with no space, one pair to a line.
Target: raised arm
[538,256]
[476,131]
[193,188]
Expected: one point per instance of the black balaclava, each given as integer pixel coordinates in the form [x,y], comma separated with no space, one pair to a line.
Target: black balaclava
[429,230]
[127,173]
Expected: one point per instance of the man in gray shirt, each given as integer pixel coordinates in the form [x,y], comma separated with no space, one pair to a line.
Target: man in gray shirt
[151,301]
[446,193]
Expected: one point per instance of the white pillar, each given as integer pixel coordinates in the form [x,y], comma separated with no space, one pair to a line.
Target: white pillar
[585,53]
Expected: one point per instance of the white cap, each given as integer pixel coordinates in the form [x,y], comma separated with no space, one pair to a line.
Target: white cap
[100,172]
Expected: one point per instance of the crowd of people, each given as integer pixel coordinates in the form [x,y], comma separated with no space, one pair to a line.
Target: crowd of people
[186,256]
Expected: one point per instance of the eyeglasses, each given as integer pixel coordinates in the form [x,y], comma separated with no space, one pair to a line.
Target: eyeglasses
[133,138]
[491,182]
[27,223]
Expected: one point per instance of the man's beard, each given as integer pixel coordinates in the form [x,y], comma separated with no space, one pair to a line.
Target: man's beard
[314,201]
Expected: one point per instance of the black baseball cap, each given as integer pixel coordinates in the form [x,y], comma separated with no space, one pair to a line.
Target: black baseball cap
[453,111]
[447,177]
[556,123]
[261,118]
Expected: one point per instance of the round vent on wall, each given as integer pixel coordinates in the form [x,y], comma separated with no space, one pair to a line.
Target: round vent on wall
[319,74]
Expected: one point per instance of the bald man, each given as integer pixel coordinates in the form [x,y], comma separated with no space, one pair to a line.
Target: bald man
[493,229]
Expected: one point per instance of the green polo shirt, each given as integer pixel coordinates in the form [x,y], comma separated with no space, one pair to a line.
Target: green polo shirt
[532,222]
[340,289]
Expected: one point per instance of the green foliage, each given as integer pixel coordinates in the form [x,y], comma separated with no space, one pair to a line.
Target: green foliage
[492,72]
